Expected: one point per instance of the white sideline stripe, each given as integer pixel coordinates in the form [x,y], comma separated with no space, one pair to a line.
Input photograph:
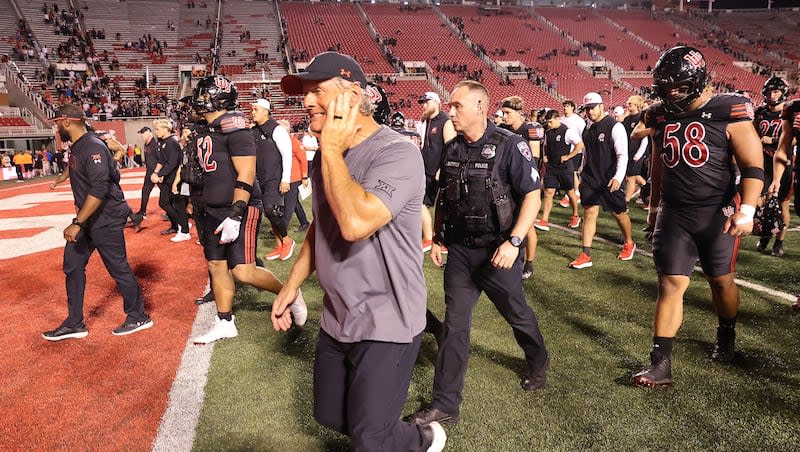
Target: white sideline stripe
[741,282]
[178,426]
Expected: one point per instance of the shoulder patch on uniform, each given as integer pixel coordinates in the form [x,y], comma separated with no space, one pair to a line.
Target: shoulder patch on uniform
[523,149]
[535,132]
[97,158]
[233,122]
[385,187]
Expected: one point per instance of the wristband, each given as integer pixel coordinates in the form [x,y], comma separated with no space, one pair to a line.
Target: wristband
[237,210]
[748,212]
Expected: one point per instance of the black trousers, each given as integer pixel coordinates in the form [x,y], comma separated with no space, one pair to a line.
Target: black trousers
[290,198]
[147,187]
[360,389]
[468,272]
[175,207]
[109,241]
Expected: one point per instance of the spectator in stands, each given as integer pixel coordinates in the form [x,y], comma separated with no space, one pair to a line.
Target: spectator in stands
[5,160]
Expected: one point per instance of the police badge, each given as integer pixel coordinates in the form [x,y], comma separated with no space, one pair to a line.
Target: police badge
[488,151]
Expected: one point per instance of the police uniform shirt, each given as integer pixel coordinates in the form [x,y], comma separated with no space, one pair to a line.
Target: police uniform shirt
[695,153]
[226,137]
[93,171]
[374,288]
[558,143]
[433,143]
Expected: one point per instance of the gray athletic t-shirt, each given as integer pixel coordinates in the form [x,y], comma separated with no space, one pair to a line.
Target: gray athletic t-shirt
[374,288]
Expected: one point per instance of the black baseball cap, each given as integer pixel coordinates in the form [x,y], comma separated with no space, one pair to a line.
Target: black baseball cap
[324,66]
[144,129]
[68,111]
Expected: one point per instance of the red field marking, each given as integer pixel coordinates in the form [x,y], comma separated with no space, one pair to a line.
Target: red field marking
[102,392]
[18,233]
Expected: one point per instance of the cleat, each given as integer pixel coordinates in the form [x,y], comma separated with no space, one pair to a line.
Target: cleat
[582,261]
[778,251]
[627,252]
[564,202]
[574,221]
[65,332]
[302,228]
[657,375]
[426,245]
[434,435]
[222,329]
[132,327]
[425,417]
[275,253]
[287,249]
[181,237]
[725,349]
[542,224]
[299,309]
[169,231]
[796,305]
[207,298]
[762,244]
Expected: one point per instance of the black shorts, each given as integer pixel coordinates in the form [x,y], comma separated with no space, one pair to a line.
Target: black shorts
[682,236]
[577,161]
[240,251]
[600,196]
[634,167]
[431,189]
[561,180]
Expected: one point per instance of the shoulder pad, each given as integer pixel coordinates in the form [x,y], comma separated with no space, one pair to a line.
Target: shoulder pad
[232,122]
[730,106]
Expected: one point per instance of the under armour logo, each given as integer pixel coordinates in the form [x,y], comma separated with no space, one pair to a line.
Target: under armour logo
[384,187]
[344,73]
[705,115]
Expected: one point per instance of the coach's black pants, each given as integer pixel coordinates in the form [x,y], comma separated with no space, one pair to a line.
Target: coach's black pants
[360,389]
[147,187]
[468,272]
[110,243]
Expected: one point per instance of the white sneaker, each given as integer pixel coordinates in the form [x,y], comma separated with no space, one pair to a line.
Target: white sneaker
[439,437]
[181,237]
[222,329]
[299,309]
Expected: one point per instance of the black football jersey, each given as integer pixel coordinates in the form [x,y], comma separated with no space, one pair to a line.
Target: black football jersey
[697,167]
[226,137]
[768,124]
[791,113]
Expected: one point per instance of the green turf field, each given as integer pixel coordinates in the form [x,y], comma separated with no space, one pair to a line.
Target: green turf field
[597,326]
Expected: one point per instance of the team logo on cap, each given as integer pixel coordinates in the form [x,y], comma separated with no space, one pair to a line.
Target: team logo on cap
[345,73]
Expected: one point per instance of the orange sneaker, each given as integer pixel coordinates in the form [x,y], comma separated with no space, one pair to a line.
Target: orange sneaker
[627,251]
[564,201]
[574,221]
[275,253]
[426,245]
[287,249]
[541,224]
[582,261]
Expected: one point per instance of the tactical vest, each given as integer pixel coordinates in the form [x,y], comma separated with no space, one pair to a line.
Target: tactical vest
[478,205]
[268,157]
[433,142]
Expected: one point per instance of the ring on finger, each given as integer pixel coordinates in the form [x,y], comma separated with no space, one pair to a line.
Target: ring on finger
[337,117]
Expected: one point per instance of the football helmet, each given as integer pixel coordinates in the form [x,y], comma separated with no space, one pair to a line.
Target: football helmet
[379,101]
[398,120]
[683,68]
[774,83]
[214,93]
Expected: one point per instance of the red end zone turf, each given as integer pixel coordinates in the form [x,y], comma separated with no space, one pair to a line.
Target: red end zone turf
[102,392]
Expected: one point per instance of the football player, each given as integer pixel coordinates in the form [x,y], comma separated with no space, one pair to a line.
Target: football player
[700,215]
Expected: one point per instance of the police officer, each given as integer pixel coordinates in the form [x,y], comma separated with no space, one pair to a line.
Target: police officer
[488,194]
[232,204]
[101,215]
